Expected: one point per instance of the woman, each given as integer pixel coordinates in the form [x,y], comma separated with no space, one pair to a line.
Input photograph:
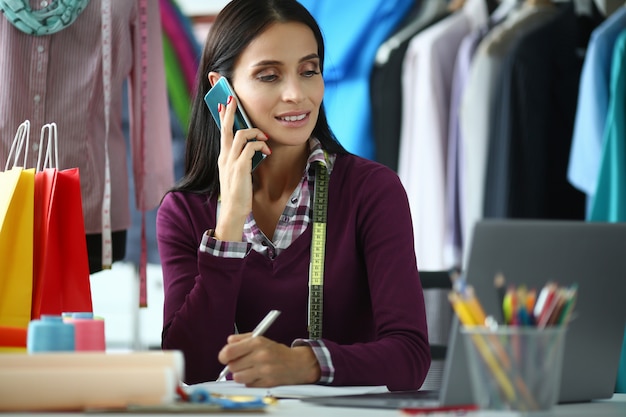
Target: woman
[236,243]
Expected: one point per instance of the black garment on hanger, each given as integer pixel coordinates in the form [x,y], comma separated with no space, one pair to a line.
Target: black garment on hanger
[532,127]
[492,5]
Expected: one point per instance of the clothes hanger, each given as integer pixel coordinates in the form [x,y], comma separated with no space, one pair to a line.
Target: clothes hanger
[504,8]
[535,3]
[584,7]
[607,7]
[430,10]
[455,5]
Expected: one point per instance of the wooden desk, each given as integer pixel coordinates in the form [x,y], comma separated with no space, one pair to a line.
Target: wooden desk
[615,407]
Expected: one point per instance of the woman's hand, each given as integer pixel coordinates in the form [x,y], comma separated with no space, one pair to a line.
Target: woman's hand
[235,171]
[261,362]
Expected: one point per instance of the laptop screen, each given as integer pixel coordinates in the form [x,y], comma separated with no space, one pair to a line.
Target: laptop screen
[533,252]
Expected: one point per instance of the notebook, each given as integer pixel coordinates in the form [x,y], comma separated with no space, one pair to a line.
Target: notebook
[532,252]
[455,392]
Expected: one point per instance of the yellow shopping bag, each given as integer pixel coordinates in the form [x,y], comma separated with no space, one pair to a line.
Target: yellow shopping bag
[17,188]
[17,196]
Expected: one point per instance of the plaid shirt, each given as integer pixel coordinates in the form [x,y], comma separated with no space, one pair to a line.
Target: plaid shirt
[292,223]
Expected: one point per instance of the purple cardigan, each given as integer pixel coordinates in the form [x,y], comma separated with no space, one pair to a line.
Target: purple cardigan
[374,321]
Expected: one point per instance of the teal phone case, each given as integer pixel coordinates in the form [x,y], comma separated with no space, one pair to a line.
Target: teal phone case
[219,93]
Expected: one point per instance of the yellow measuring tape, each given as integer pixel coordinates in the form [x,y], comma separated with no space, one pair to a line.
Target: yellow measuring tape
[318,249]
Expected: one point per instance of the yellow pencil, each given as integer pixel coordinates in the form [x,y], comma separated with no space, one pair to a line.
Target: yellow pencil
[465,317]
[474,307]
[461,309]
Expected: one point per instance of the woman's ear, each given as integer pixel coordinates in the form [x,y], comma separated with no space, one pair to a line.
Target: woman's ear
[213,77]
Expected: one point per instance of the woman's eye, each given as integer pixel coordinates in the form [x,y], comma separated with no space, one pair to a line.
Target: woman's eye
[267,77]
[310,73]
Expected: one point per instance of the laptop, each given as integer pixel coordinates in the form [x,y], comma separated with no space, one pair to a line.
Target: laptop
[533,252]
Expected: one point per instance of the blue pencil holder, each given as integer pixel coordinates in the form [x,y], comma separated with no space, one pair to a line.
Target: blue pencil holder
[50,334]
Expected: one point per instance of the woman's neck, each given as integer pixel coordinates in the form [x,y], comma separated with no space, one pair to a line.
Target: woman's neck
[279,174]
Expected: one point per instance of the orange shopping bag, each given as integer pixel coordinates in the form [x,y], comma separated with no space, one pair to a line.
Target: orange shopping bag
[16,235]
[61,265]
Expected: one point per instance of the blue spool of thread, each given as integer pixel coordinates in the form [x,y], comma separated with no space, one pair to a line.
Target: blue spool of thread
[50,334]
[82,315]
[76,315]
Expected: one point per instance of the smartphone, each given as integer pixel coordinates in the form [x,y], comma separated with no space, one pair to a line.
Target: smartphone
[219,94]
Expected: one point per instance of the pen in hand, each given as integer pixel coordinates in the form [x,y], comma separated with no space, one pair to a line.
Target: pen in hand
[258,331]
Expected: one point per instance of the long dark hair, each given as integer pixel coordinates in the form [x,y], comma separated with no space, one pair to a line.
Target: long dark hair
[239,22]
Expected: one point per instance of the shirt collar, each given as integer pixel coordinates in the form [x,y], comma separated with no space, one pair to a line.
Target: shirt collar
[318,154]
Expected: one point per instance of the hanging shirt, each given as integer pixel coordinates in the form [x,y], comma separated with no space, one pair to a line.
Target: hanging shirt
[386,81]
[593,102]
[455,241]
[453,248]
[476,108]
[427,76]
[352,36]
[530,134]
[609,200]
[58,78]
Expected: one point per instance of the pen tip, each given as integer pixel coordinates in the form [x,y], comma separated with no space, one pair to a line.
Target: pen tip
[499,280]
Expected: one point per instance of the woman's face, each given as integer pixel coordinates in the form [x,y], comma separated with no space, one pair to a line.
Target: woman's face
[278,81]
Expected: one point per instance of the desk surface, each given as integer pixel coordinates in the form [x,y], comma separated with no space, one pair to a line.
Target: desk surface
[615,407]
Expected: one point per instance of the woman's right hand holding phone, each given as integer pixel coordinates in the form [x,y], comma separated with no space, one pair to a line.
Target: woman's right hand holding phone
[235,172]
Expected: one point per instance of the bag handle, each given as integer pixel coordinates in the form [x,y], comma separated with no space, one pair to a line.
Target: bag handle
[22,136]
[51,141]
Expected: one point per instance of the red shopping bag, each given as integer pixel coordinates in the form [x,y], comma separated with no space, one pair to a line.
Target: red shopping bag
[61,265]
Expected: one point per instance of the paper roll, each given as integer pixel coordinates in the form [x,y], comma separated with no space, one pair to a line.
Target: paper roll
[74,388]
[149,359]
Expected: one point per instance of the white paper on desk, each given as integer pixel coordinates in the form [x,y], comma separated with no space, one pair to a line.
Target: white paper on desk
[284,391]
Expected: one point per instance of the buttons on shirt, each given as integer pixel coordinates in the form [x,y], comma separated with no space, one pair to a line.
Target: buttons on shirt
[37,98]
[269,248]
[40,48]
[44,3]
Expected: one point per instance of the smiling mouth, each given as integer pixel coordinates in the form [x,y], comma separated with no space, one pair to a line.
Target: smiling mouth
[293,118]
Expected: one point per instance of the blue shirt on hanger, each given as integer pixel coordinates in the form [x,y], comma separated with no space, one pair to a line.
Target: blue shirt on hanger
[352,35]
[609,201]
[593,102]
